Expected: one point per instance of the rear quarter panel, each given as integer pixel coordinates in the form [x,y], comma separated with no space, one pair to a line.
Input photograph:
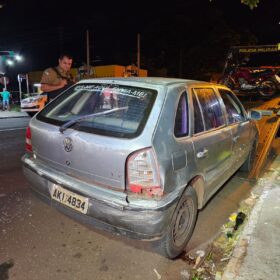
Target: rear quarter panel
[174,155]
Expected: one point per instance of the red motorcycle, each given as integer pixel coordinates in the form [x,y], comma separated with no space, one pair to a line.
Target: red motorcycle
[266,82]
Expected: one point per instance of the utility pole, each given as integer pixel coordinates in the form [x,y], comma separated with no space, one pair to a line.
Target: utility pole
[138,54]
[88,59]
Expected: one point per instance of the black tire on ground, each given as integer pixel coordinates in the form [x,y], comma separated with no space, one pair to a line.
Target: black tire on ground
[31,114]
[249,162]
[267,89]
[181,226]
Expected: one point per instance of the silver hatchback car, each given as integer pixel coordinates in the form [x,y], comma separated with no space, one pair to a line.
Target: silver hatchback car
[139,156]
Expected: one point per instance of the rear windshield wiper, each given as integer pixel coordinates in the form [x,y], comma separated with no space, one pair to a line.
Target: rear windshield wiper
[81,118]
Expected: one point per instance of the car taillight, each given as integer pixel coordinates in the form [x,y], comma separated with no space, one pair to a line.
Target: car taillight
[143,174]
[28,145]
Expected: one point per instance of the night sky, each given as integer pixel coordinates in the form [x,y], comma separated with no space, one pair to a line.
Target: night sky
[199,30]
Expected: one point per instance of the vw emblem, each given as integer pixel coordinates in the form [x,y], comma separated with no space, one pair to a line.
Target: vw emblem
[67,142]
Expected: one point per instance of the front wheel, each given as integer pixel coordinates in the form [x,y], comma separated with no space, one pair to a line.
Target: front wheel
[247,166]
[267,89]
[181,226]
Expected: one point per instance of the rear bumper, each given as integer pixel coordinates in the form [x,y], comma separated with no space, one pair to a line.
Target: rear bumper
[108,210]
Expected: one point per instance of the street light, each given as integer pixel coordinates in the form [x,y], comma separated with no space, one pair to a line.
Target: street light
[10,62]
[18,57]
[10,56]
[7,58]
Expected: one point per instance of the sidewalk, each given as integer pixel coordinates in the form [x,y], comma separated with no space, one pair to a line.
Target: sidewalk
[257,253]
[12,114]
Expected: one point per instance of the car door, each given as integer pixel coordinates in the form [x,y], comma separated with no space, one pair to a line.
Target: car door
[212,139]
[239,125]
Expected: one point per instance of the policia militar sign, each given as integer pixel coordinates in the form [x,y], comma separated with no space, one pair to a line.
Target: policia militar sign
[256,49]
[259,49]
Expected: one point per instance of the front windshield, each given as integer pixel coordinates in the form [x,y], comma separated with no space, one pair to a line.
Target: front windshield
[113,110]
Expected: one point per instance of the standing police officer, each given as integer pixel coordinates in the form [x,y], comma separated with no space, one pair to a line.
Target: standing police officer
[57,79]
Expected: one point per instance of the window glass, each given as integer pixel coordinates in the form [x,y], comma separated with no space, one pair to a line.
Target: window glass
[198,120]
[181,121]
[104,109]
[211,108]
[233,109]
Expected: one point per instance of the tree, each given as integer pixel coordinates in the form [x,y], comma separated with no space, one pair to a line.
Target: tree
[251,3]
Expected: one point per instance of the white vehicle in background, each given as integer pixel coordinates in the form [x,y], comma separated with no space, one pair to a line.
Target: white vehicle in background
[35,101]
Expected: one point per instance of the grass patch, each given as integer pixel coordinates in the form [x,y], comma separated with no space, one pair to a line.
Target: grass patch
[15,108]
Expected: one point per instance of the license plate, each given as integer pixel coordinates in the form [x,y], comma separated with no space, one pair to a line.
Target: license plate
[70,199]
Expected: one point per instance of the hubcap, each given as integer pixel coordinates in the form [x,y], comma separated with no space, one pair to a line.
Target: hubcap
[183,222]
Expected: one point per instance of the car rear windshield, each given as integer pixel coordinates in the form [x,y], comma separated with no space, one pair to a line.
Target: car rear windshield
[105,109]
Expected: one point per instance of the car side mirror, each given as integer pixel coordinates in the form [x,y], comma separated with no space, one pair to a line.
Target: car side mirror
[254,115]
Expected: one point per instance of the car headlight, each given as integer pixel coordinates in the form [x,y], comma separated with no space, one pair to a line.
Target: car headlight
[32,100]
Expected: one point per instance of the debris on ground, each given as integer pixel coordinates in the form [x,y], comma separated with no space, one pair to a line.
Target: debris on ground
[157,274]
[185,275]
[239,220]
[209,260]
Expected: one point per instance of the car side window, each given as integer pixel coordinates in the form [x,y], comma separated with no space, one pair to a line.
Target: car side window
[181,127]
[233,109]
[211,108]
[198,120]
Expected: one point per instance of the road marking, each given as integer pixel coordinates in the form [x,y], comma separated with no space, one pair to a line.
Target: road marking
[11,129]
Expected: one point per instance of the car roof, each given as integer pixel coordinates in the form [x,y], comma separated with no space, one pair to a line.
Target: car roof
[147,80]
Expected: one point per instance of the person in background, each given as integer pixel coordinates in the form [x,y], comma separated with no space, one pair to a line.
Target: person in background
[6,99]
[57,79]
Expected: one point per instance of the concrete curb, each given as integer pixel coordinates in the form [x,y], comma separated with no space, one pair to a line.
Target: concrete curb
[13,114]
[240,250]
[17,117]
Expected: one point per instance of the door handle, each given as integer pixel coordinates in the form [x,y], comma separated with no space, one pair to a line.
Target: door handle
[235,138]
[202,154]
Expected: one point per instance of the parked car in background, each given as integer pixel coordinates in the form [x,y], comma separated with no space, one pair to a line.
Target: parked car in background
[139,156]
[35,101]
[33,104]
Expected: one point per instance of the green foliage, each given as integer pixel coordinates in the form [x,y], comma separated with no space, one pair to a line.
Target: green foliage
[196,277]
[251,3]
[15,108]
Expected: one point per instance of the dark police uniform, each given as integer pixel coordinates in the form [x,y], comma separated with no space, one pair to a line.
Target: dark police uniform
[53,76]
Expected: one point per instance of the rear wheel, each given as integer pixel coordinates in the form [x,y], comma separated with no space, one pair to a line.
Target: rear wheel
[267,89]
[182,225]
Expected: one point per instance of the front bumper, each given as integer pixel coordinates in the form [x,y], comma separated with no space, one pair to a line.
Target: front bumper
[32,107]
[109,210]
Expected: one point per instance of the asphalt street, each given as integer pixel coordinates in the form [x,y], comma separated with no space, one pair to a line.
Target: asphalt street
[13,123]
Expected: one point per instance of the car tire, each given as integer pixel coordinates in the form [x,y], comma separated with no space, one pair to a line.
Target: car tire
[31,114]
[247,166]
[182,225]
[267,89]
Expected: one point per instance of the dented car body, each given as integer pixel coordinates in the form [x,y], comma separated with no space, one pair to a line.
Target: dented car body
[138,156]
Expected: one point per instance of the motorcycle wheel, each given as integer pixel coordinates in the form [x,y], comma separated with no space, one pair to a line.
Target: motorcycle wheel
[267,89]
